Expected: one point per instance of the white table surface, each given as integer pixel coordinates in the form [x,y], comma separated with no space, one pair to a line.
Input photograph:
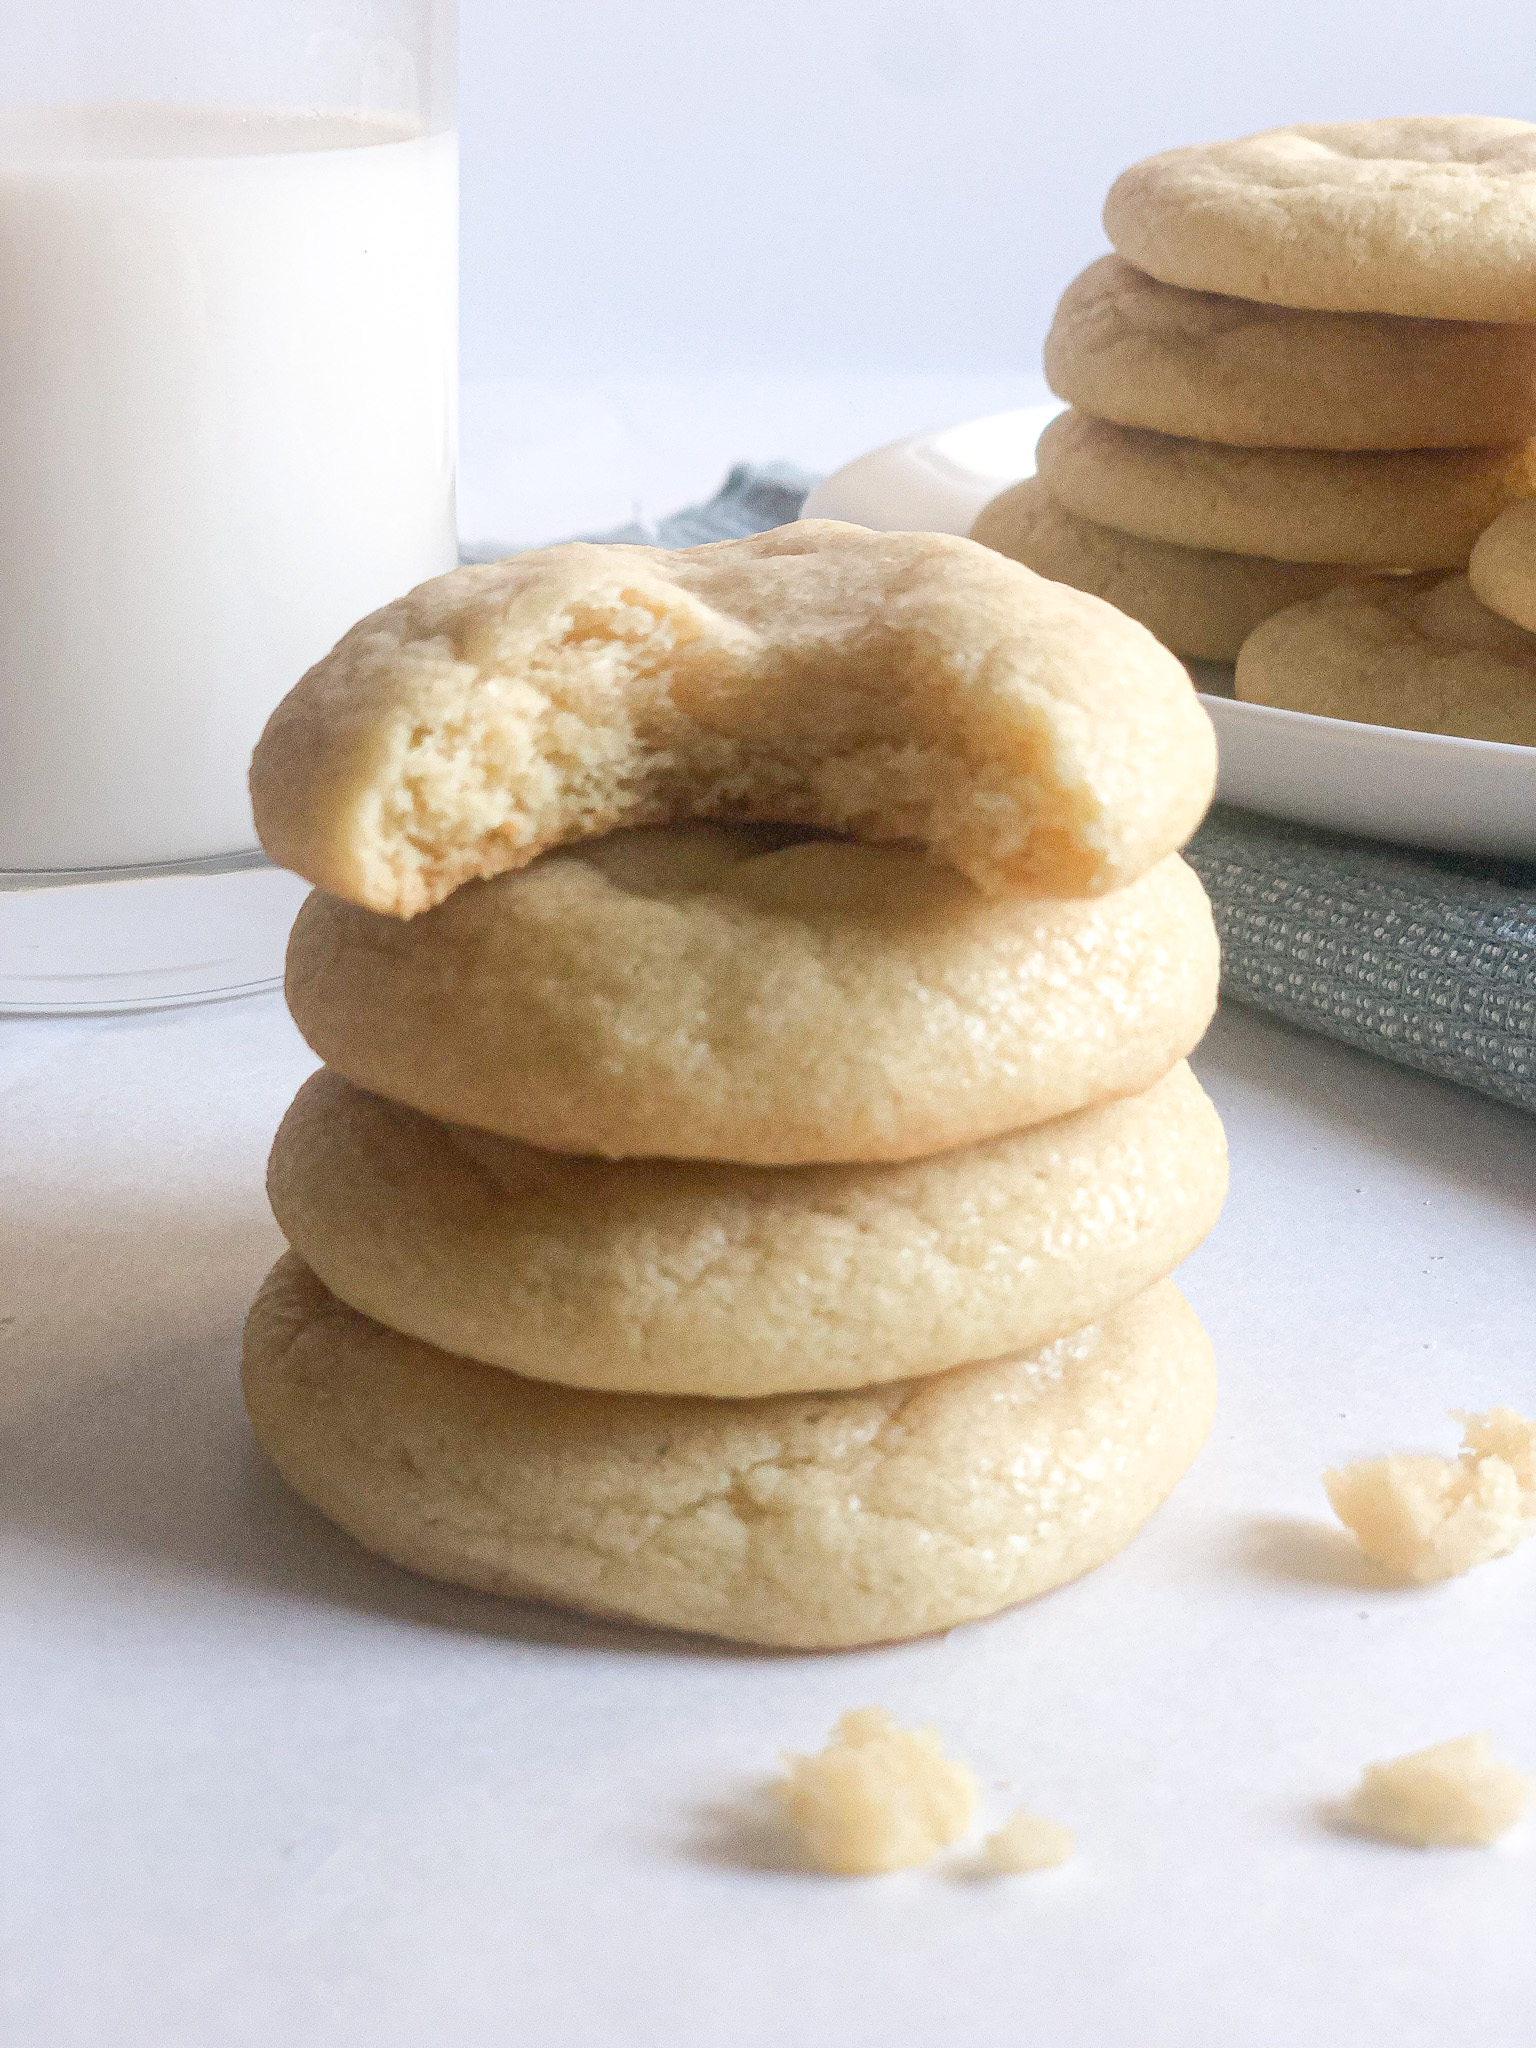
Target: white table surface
[264,1790]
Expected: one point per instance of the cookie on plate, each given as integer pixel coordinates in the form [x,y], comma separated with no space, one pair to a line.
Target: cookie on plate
[701,992]
[1200,602]
[660,1277]
[1503,565]
[810,1521]
[1433,216]
[886,686]
[1127,347]
[1398,509]
[1422,654]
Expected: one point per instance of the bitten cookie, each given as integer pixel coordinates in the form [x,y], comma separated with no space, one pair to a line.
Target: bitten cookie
[1433,215]
[888,686]
[1423,655]
[654,1277]
[1199,602]
[811,1521]
[1406,509]
[710,993]
[1503,565]
[1128,348]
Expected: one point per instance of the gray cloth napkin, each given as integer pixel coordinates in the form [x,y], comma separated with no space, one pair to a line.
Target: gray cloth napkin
[1428,959]
[754,497]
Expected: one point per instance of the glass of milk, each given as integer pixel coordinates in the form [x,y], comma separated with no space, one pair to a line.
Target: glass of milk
[228,255]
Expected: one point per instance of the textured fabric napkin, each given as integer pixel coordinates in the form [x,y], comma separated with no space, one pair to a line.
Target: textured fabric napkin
[1428,959]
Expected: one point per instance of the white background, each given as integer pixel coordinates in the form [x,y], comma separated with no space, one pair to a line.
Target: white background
[696,230]
[877,184]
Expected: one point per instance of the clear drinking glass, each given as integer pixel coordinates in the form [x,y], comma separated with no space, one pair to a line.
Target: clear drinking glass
[228,383]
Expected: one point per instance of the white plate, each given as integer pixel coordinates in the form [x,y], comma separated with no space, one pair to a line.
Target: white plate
[1414,788]
[936,482]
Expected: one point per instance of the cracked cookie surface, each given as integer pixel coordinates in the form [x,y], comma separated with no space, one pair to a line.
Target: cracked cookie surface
[1127,347]
[1400,508]
[659,1277]
[697,992]
[1200,602]
[803,1521]
[1420,653]
[1430,215]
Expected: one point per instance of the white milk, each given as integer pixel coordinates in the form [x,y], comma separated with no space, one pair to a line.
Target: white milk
[227,379]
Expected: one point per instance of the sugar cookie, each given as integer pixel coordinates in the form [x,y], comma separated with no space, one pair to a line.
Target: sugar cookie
[1423,654]
[1503,565]
[1432,215]
[1201,603]
[884,685]
[1128,348]
[660,1277]
[810,1521]
[1403,509]
[706,992]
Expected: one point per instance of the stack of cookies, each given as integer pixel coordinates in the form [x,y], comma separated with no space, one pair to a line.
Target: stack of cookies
[1310,362]
[1441,654]
[754,984]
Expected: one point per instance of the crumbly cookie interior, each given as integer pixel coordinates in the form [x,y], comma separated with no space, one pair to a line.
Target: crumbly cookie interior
[645,704]
[887,687]
[877,1798]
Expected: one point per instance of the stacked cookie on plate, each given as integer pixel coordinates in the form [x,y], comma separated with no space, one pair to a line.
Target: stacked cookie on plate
[1311,362]
[754,984]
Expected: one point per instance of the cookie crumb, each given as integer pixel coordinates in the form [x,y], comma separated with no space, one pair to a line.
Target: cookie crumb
[1027,1841]
[1432,1518]
[878,1797]
[1455,1795]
